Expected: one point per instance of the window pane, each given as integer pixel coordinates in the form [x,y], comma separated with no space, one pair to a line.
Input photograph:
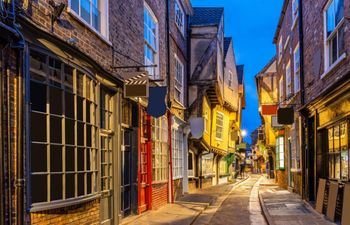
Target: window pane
[56,158]
[341,41]
[38,120]
[56,129]
[81,184]
[81,159]
[80,133]
[55,101]
[336,138]
[88,135]
[38,96]
[330,140]
[39,188]
[88,159]
[330,19]
[334,49]
[69,101]
[70,131]
[337,166]
[70,159]
[80,108]
[345,165]
[56,187]
[70,186]
[38,156]
[85,10]
[88,183]
[339,11]
[96,15]
[75,5]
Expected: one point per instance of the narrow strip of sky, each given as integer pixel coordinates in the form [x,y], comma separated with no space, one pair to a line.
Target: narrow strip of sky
[252,25]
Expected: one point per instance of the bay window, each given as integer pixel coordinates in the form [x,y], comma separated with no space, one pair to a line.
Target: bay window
[63,129]
[151,41]
[93,13]
[334,31]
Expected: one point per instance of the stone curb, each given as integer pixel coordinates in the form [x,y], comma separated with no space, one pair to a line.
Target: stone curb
[267,216]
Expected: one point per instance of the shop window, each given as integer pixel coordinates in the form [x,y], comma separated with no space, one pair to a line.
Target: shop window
[280,153]
[207,164]
[58,158]
[177,154]
[338,154]
[160,149]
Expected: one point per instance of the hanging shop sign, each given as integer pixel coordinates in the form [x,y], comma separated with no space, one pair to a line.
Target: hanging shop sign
[268,110]
[136,85]
[156,102]
[197,127]
[285,116]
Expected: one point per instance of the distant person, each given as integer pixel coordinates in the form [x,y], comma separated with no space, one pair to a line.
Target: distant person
[242,168]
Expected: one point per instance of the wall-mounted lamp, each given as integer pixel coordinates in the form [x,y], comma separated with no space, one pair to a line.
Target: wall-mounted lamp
[57,12]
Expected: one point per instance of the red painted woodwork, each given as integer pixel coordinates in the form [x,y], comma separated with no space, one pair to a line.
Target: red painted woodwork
[268,110]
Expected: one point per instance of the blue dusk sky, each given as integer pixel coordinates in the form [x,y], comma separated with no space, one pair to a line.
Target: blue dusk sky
[252,25]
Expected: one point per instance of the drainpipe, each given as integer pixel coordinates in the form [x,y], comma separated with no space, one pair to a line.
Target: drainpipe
[302,98]
[171,185]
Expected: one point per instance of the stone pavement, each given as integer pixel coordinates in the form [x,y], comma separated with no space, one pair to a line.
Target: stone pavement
[187,209]
[282,207]
[241,206]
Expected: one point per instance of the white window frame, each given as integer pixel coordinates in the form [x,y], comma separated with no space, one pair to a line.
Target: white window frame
[340,56]
[104,23]
[280,48]
[177,153]
[160,149]
[289,80]
[296,61]
[178,8]
[295,12]
[153,72]
[222,127]
[281,89]
[280,148]
[179,84]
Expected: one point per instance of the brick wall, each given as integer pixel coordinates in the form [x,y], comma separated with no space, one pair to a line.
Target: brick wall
[297,179]
[314,49]
[282,178]
[159,195]
[207,182]
[80,214]
[192,185]
[177,188]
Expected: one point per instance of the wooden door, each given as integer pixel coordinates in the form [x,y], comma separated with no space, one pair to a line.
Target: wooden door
[144,167]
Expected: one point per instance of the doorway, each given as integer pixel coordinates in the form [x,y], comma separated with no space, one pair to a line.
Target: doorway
[126,173]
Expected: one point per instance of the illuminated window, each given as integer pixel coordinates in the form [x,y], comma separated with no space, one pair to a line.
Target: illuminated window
[219,125]
[296,69]
[280,152]
[338,155]
[179,81]
[177,154]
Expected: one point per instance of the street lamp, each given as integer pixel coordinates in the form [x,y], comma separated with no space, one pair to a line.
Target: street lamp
[244,133]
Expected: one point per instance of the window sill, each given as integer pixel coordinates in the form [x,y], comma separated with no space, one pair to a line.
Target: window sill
[177,178]
[334,65]
[77,17]
[37,207]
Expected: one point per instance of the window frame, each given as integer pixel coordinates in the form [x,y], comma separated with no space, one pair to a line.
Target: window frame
[90,96]
[281,89]
[181,89]
[296,69]
[177,153]
[178,7]
[280,48]
[220,126]
[153,72]
[104,23]
[280,163]
[289,80]
[328,65]
[160,126]
[295,12]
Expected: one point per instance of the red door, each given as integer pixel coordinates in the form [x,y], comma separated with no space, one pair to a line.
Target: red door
[145,165]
